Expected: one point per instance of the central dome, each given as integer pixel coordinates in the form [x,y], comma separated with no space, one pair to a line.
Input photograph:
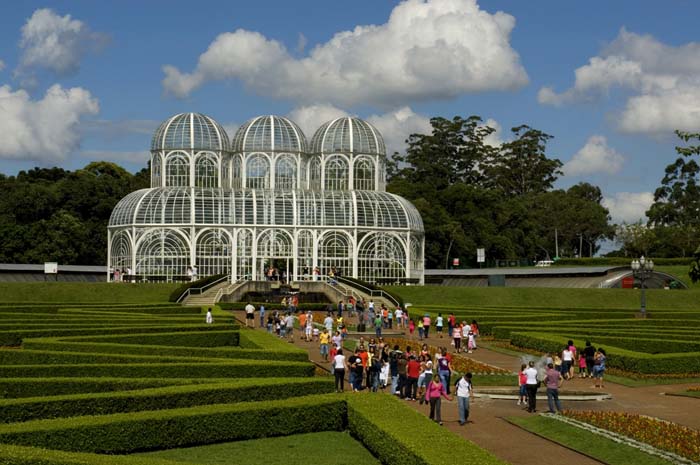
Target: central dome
[348,135]
[269,133]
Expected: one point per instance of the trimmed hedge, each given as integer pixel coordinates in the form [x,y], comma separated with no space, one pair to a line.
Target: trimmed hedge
[207,338]
[173,397]
[164,429]
[618,261]
[634,362]
[388,429]
[231,369]
[19,388]
[21,455]
[48,357]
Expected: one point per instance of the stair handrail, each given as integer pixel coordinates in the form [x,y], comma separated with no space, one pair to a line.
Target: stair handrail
[228,289]
[371,292]
[200,290]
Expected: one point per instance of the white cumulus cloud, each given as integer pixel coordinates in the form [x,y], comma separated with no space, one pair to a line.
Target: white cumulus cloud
[56,43]
[311,117]
[629,207]
[594,157]
[46,129]
[664,80]
[426,50]
[397,125]
[495,139]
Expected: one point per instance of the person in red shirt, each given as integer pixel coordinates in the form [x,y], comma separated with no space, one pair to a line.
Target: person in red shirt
[412,372]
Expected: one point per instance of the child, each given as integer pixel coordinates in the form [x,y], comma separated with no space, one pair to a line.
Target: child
[384,375]
[315,333]
[420,329]
[411,327]
[471,345]
[581,366]
[522,379]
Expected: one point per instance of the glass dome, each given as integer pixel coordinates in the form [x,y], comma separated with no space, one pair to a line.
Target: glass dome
[257,207]
[190,131]
[348,135]
[269,134]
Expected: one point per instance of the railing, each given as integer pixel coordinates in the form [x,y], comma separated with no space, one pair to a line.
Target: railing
[371,292]
[229,289]
[200,290]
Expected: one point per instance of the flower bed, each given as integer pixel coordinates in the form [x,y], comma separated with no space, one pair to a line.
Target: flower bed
[661,434]
[460,362]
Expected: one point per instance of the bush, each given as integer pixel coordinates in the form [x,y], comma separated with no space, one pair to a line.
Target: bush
[15,388]
[388,429]
[207,338]
[140,431]
[19,455]
[229,369]
[181,289]
[173,397]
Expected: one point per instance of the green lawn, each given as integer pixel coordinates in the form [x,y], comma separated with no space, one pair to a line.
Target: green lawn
[680,272]
[76,292]
[602,449]
[446,297]
[328,448]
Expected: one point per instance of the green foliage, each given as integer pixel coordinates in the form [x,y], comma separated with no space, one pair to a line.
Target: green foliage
[138,431]
[694,271]
[182,288]
[56,293]
[15,388]
[389,431]
[162,398]
[19,455]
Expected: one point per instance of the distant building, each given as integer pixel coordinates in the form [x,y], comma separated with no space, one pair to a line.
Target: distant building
[268,200]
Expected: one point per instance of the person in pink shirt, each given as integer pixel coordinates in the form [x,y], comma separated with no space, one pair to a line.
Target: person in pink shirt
[426,324]
[434,393]
[522,380]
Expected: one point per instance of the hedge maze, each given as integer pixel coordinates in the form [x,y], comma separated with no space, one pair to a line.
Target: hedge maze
[664,344]
[101,384]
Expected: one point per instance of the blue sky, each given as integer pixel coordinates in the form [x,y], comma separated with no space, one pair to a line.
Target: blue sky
[83,80]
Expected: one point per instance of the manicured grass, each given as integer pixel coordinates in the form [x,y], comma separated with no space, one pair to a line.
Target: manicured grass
[680,272]
[60,292]
[328,448]
[446,297]
[641,382]
[601,448]
[695,394]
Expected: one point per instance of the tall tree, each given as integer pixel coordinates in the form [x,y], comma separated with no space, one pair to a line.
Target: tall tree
[521,166]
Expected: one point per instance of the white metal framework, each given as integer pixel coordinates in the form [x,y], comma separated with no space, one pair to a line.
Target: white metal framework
[267,200]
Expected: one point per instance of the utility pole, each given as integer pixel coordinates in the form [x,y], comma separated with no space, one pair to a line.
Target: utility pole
[556,243]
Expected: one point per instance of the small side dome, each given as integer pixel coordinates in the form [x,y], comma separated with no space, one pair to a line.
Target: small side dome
[190,131]
[269,134]
[348,135]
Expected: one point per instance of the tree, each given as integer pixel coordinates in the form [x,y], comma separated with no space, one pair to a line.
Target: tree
[636,238]
[694,271]
[521,166]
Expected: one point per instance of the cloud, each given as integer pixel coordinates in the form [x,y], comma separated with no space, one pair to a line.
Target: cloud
[45,129]
[113,129]
[311,117]
[131,157]
[594,157]
[2,65]
[495,139]
[56,43]
[664,80]
[396,126]
[629,207]
[433,49]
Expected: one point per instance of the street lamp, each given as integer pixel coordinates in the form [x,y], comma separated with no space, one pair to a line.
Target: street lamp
[642,269]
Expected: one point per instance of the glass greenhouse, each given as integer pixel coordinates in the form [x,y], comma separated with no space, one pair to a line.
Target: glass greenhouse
[267,200]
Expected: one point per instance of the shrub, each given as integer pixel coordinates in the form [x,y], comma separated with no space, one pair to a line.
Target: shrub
[19,455]
[139,431]
[181,289]
[388,429]
[172,397]
[13,388]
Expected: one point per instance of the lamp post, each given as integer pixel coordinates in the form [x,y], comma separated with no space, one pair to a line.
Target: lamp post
[642,269]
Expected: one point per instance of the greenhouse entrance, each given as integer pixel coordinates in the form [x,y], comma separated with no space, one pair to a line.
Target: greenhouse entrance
[276,269]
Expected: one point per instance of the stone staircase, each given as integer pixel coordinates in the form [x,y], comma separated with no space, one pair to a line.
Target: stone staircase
[211,296]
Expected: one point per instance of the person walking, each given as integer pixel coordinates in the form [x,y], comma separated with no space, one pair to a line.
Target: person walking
[439,321]
[412,372]
[324,339]
[553,381]
[599,367]
[209,319]
[249,315]
[444,365]
[531,385]
[434,394]
[340,366]
[589,354]
[262,316]
[464,392]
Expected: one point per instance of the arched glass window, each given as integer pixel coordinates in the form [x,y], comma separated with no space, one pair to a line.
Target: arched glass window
[258,172]
[305,254]
[381,255]
[416,255]
[244,252]
[237,173]
[364,174]
[286,173]
[205,171]
[163,252]
[155,171]
[315,174]
[177,170]
[336,173]
[120,252]
[213,253]
[226,172]
[335,254]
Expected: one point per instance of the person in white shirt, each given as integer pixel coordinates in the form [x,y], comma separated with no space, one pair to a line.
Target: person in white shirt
[567,359]
[399,317]
[209,319]
[249,315]
[531,385]
[464,392]
[328,323]
[340,366]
